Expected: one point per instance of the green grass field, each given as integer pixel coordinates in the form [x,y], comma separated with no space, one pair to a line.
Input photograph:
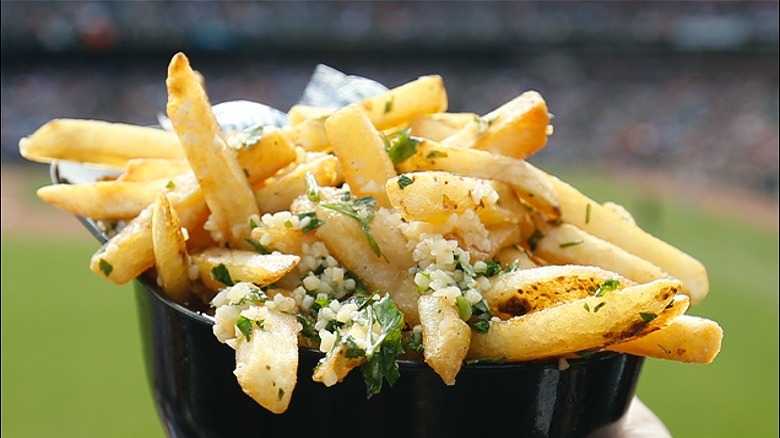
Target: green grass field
[71,359]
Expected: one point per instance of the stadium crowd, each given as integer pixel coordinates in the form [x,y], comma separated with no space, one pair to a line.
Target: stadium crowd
[648,91]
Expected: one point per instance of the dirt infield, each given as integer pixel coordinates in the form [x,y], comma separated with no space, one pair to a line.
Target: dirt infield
[24,214]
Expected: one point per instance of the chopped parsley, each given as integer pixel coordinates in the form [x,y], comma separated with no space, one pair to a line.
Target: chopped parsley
[313,223]
[647,317]
[382,349]
[389,104]
[587,214]
[251,135]
[362,210]
[221,274]
[414,342]
[481,315]
[401,146]
[105,267]
[170,185]
[599,306]
[533,240]
[436,154]
[259,248]
[608,286]
[404,181]
[572,243]
[312,188]
[280,393]
[464,308]
[247,325]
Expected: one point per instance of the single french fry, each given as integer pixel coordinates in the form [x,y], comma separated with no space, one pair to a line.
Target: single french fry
[220,267]
[424,95]
[335,366]
[528,183]
[98,142]
[278,193]
[592,217]
[267,363]
[446,336]
[526,291]
[224,184]
[261,160]
[129,253]
[433,196]
[686,338]
[588,324]
[346,241]
[103,200]
[300,113]
[171,260]
[147,169]
[567,244]
[309,134]
[439,126]
[518,128]
[361,152]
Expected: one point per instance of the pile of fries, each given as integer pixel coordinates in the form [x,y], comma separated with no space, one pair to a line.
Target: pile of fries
[388,228]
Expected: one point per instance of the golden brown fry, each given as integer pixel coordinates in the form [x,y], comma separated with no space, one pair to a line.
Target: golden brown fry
[171,260]
[439,126]
[567,244]
[424,95]
[267,363]
[98,142]
[335,366]
[517,129]
[592,217]
[129,253]
[446,336]
[147,169]
[361,152]
[272,152]
[224,184]
[528,183]
[687,338]
[241,266]
[526,291]
[588,324]
[103,200]
[309,134]
[278,193]
[434,196]
[300,113]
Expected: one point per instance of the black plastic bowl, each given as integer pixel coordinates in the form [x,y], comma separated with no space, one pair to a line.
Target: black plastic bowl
[197,395]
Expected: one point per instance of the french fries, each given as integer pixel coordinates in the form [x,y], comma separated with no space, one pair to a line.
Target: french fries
[98,142]
[224,184]
[384,227]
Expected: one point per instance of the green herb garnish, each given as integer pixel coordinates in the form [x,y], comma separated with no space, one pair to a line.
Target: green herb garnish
[312,188]
[247,325]
[105,267]
[314,221]
[608,286]
[362,210]
[572,243]
[221,274]
[259,248]
[533,240]
[401,146]
[404,181]
[464,308]
[647,317]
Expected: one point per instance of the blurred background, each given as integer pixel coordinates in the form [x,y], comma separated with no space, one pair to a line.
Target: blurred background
[670,108]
